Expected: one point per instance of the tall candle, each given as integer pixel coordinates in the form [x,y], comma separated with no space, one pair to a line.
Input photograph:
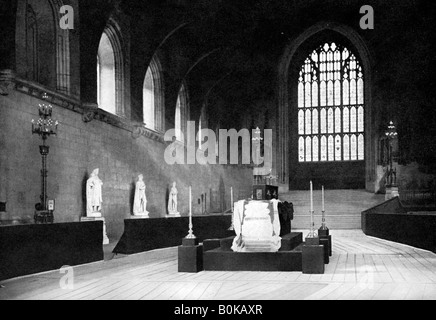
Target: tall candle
[190,201]
[322,191]
[231,198]
[311,197]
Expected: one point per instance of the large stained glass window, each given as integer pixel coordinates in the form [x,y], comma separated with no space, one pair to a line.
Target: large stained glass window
[331,106]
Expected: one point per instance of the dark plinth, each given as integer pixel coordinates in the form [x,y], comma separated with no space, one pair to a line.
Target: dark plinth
[325,242]
[313,259]
[190,258]
[218,256]
[33,248]
[189,242]
[329,238]
[323,232]
[154,233]
[291,240]
[210,244]
[224,260]
[226,243]
[312,241]
[391,221]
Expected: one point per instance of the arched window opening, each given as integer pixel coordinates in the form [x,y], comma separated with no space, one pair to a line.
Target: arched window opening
[111,66]
[148,100]
[153,97]
[331,98]
[106,97]
[31,44]
[182,113]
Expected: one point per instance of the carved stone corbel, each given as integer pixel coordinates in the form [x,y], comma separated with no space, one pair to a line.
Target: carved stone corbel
[138,130]
[7,81]
[89,112]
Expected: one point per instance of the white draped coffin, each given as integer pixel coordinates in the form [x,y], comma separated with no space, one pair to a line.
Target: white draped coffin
[257,226]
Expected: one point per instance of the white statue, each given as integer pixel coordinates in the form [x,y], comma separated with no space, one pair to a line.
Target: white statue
[140,200]
[172,201]
[93,195]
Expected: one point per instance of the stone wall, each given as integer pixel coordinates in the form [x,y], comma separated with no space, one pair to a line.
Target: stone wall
[81,147]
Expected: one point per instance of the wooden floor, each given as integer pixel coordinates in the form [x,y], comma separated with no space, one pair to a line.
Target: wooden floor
[361,268]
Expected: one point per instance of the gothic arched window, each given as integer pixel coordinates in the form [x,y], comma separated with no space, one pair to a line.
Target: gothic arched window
[330,106]
[111,68]
[153,97]
[31,44]
[106,75]
[182,112]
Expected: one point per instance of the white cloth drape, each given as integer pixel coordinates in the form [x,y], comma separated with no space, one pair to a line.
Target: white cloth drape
[268,239]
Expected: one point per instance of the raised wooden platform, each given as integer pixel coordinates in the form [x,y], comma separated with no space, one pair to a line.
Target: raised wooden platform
[32,248]
[148,234]
[218,256]
[223,260]
[392,221]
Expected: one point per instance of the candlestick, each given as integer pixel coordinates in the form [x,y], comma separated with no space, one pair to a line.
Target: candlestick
[232,209]
[311,197]
[231,198]
[322,194]
[190,201]
[323,231]
[190,232]
[312,233]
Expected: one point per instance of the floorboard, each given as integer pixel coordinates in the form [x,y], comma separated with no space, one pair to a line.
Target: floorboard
[361,268]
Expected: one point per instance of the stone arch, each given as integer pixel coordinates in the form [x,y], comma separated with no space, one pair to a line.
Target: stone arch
[52,43]
[182,114]
[63,72]
[284,104]
[114,33]
[154,79]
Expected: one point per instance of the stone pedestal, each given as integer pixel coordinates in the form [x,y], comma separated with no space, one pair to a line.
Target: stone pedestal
[140,216]
[100,218]
[173,215]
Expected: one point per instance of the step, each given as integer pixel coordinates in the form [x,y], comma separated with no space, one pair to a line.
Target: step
[343,207]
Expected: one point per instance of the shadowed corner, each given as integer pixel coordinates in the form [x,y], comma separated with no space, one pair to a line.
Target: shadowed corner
[85,178]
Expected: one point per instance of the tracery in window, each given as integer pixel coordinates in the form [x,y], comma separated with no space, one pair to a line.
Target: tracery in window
[331,106]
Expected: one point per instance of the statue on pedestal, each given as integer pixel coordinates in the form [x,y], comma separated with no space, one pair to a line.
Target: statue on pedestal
[172,201]
[94,200]
[94,195]
[140,200]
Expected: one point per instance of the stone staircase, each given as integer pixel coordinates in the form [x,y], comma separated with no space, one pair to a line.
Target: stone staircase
[343,207]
